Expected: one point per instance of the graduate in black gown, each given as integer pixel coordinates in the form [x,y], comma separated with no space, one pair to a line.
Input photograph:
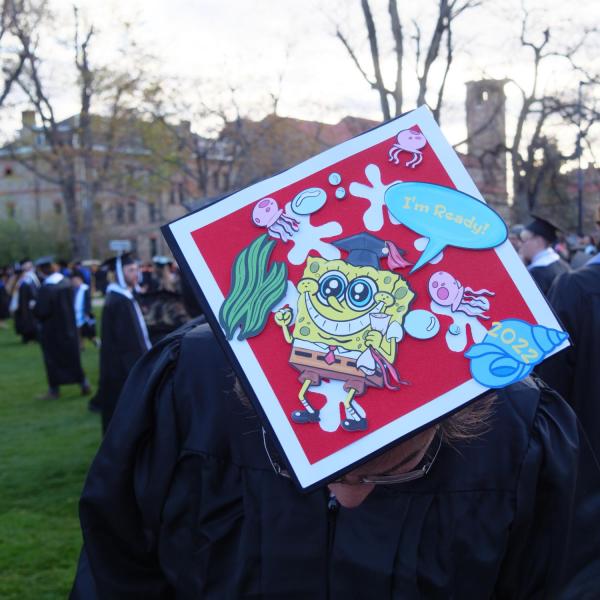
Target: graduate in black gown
[186,500]
[575,373]
[26,324]
[82,304]
[543,262]
[59,336]
[124,336]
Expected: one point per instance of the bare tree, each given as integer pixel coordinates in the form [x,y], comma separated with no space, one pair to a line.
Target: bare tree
[240,144]
[534,155]
[438,48]
[79,154]
[19,21]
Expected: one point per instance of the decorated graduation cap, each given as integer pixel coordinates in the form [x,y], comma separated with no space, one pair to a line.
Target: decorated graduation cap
[364,295]
[543,228]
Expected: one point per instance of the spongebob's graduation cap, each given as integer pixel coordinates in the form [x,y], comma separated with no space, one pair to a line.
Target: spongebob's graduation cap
[366,250]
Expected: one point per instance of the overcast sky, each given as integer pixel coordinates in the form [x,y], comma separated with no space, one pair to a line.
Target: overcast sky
[288,47]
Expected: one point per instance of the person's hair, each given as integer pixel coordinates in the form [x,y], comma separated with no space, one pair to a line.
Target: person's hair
[77,273]
[469,423]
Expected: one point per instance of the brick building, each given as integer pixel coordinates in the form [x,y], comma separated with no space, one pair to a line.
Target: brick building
[150,187]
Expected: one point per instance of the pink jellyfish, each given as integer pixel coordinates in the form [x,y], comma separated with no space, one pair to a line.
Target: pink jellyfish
[267,214]
[445,290]
[409,140]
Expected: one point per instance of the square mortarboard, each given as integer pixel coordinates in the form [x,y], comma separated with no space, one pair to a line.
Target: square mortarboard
[44,261]
[161,261]
[543,228]
[364,249]
[110,264]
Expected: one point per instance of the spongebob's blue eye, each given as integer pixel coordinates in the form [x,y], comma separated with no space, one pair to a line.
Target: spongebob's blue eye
[332,283]
[361,292]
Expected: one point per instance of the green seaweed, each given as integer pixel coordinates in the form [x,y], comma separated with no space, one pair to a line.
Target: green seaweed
[254,290]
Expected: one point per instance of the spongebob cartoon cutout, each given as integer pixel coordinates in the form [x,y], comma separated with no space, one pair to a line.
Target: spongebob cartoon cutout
[348,324]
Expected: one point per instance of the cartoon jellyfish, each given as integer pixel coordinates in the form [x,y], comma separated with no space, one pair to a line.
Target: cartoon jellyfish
[445,290]
[279,225]
[408,140]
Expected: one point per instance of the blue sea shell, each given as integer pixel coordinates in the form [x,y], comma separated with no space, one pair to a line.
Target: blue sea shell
[510,351]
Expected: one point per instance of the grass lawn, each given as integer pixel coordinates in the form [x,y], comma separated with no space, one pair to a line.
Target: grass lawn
[45,451]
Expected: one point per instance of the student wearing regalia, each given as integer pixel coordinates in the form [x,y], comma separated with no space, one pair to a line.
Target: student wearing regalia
[543,262]
[4,298]
[124,336]
[82,304]
[26,324]
[187,498]
[59,336]
[575,373]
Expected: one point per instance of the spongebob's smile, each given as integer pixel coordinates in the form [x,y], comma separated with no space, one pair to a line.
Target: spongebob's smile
[339,327]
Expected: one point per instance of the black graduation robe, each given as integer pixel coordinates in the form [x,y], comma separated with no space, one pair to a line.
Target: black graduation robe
[575,373]
[182,502]
[26,324]
[544,276]
[59,336]
[122,344]
[4,301]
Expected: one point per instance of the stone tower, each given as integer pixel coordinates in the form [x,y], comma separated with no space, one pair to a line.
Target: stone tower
[486,130]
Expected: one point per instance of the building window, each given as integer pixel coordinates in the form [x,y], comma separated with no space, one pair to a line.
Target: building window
[483,96]
[8,171]
[131,212]
[153,246]
[58,207]
[10,210]
[120,213]
[152,212]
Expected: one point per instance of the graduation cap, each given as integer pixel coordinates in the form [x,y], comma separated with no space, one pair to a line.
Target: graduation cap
[543,228]
[365,250]
[44,261]
[110,264]
[116,264]
[162,261]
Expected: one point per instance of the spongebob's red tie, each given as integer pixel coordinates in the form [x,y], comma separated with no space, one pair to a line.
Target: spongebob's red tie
[329,357]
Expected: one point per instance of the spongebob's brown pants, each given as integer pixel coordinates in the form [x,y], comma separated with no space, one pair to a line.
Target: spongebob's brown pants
[313,367]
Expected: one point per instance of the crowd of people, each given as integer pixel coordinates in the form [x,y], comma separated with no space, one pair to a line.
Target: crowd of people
[51,302]
[186,497]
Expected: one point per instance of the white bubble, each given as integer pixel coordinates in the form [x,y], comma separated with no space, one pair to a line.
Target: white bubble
[340,193]
[309,201]
[334,179]
[421,324]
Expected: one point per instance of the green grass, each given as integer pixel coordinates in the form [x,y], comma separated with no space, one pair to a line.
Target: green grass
[45,451]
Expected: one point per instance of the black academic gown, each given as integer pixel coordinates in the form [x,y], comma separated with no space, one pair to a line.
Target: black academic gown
[122,345]
[26,324]
[58,333]
[544,276]
[181,502]
[575,373]
[4,301]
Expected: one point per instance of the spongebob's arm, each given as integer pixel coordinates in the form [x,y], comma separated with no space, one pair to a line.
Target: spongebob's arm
[380,343]
[283,318]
